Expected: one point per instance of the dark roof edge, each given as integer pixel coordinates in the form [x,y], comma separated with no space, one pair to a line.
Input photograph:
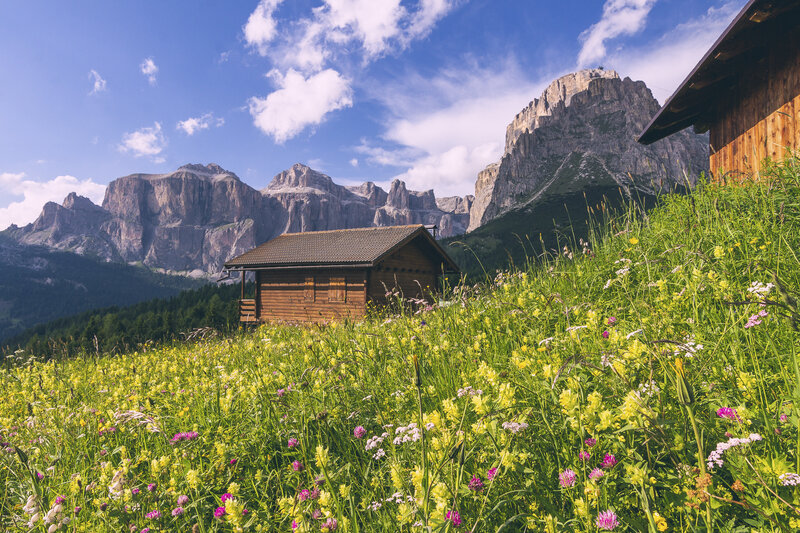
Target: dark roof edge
[644,138]
[287,266]
[431,240]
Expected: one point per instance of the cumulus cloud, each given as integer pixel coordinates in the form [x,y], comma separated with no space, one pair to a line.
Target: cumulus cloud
[192,125]
[99,84]
[34,194]
[620,17]
[663,63]
[149,69]
[145,142]
[447,128]
[299,102]
[261,27]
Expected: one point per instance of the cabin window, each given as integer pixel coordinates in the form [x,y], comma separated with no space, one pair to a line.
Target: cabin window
[308,289]
[337,289]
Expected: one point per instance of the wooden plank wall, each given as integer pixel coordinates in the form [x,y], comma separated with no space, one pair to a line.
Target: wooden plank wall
[284,295]
[409,269]
[759,117]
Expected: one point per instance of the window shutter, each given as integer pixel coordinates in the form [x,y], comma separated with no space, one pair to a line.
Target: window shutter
[337,289]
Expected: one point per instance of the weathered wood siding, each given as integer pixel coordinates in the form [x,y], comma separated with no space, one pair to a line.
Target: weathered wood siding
[759,116]
[409,269]
[310,295]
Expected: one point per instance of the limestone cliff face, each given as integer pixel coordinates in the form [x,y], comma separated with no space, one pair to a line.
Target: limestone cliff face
[582,131]
[196,218]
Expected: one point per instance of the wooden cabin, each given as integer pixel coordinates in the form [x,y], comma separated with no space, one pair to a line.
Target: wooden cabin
[745,92]
[324,275]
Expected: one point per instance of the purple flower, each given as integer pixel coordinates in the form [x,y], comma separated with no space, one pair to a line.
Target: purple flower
[154,514]
[39,475]
[330,524]
[596,473]
[293,442]
[103,506]
[784,418]
[303,495]
[359,432]
[605,334]
[590,442]
[145,530]
[234,461]
[178,437]
[454,517]
[60,500]
[135,491]
[77,509]
[728,412]
[280,393]
[607,520]
[314,494]
[177,511]
[225,497]
[476,484]
[567,478]
[491,473]
[608,461]
[584,455]
[612,320]
[297,466]
[183,499]
[152,487]
[219,512]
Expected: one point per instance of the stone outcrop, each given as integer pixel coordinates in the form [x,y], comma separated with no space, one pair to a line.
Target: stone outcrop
[581,132]
[196,218]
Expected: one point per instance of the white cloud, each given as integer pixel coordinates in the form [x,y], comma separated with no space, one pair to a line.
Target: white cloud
[99,84]
[36,193]
[354,162]
[665,62]
[145,141]
[261,26]
[448,128]
[620,17]
[192,125]
[299,102]
[149,69]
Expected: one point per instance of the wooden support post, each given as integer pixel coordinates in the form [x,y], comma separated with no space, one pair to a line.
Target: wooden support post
[242,284]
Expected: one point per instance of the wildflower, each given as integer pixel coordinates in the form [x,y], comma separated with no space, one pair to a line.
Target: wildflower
[189,436]
[476,484]
[567,478]
[329,525]
[60,500]
[177,511]
[607,520]
[590,442]
[596,473]
[297,466]
[737,485]
[303,495]
[789,478]
[612,320]
[728,412]
[755,320]
[152,487]
[104,506]
[661,523]
[293,442]
[514,427]
[715,457]
[183,499]
[380,453]
[784,418]
[584,455]
[608,461]
[374,506]
[281,392]
[40,475]
[145,530]
[135,491]
[491,473]
[605,334]
[233,461]
[454,517]
[154,515]
[359,432]
[633,240]
[77,509]
[225,497]
[219,512]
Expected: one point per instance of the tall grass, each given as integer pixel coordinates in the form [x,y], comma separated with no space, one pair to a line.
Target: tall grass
[582,394]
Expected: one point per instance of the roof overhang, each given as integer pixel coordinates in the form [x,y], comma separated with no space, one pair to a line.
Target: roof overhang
[753,28]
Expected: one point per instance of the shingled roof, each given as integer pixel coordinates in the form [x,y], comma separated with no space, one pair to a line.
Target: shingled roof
[362,247]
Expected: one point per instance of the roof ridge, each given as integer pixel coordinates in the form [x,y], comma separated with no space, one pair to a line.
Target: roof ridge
[373,228]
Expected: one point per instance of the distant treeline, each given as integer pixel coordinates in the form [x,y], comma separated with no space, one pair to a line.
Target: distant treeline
[115,329]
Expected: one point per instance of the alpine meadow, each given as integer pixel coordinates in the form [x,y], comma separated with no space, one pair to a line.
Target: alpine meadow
[644,380]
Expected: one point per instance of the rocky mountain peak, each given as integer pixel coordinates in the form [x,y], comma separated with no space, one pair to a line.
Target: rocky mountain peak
[76,202]
[299,176]
[559,92]
[209,170]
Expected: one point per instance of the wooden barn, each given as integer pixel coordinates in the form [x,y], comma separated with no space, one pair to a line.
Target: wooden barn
[323,275]
[745,92]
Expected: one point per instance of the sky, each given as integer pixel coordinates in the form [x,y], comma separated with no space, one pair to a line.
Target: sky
[362,90]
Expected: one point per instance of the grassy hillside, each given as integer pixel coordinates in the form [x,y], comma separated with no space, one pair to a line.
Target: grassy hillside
[648,384]
[38,285]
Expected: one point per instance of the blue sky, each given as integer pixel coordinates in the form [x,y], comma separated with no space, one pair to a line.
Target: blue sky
[359,89]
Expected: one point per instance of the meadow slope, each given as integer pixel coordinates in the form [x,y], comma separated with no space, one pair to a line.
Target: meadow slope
[647,381]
